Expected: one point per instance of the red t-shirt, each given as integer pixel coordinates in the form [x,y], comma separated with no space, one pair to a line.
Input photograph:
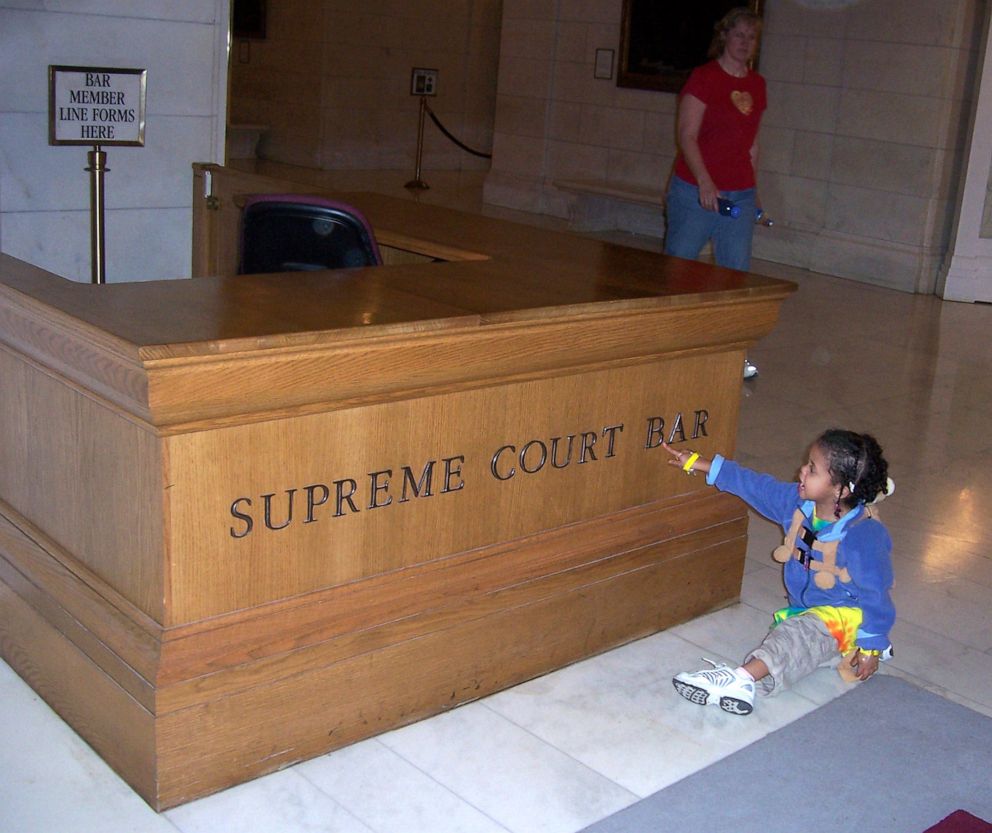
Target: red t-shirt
[729,127]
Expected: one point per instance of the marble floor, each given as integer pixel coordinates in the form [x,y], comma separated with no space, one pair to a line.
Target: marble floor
[557,753]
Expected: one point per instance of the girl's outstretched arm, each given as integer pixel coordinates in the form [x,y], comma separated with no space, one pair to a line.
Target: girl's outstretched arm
[762,492]
[682,459]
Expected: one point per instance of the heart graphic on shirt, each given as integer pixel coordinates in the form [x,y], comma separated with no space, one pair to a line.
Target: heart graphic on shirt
[742,101]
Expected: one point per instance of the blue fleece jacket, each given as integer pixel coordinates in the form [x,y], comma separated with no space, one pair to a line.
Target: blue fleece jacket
[865,549]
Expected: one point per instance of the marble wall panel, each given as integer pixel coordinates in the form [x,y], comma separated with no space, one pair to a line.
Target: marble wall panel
[570,41]
[525,76]
[44,208]
[576,161]
[530,9]
[612,127]
[518,155]
[643,170]
[788,17]
[596,11]
[910,21]
[783,57]
[775,149]
[179,57]
[812,154]
[659,133]
[192,11]
[823,63]
[522,38]
[60,242]
[896,117]
[910,69]
[877,215]
[884,166]
[810,107]
[526,116]
[794,201]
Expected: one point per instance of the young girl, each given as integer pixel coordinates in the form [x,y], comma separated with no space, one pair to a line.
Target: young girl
[838,569]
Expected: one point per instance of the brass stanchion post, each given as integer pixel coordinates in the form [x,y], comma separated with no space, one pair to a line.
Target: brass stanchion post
[417,183]
[97,167]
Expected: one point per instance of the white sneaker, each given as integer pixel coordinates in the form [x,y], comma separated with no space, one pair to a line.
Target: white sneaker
[750,370]
[722,686]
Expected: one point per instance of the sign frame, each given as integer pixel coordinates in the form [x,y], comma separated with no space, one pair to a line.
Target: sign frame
[58,78]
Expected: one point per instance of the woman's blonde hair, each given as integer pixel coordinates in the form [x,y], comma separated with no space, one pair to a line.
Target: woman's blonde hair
[739,14]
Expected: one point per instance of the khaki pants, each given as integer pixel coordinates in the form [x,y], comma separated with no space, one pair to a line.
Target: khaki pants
[794,649]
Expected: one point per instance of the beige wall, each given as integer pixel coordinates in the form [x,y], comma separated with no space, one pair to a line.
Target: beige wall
[862,142]
[331,80]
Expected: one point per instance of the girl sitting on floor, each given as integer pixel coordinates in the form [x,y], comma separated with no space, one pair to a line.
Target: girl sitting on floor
[838,569]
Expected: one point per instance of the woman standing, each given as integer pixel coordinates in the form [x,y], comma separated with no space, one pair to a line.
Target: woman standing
[720,111]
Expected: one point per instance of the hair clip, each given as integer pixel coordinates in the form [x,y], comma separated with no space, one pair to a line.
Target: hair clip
[890,487]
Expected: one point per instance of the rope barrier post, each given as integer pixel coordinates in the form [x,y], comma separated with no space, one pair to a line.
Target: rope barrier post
[418,184]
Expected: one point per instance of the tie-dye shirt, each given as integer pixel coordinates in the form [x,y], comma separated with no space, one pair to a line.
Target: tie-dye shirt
[841,622]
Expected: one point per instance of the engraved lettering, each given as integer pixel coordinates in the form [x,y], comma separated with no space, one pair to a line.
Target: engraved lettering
[313,504]
[541,461]
[610,430]
[699,426]
[375,487]
[342,496]
[588,441]
[452,471]
[426,477]
[678,430]
[493,465]
[242,516]
[554,451]
[289,509]
[656,432]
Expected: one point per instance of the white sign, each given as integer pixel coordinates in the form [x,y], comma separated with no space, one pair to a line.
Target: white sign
[96,106]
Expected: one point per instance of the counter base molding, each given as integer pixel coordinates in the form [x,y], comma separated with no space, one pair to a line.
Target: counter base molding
[253,692]
[246,520]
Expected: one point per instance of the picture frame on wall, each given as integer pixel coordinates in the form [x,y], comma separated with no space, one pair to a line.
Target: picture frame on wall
[662,41]
[248,19]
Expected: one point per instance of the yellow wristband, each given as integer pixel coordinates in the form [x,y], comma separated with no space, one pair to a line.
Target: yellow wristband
[870,652]
[688,464]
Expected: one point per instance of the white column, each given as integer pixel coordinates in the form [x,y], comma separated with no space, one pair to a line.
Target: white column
[967,275]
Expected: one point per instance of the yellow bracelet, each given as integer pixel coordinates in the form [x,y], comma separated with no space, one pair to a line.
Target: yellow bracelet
[870,652]
[688,464]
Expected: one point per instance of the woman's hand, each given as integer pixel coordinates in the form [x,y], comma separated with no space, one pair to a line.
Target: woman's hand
[708,196]
[679,458]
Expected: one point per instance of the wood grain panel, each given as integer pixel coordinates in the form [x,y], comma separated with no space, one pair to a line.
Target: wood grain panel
[307,460]
[114,635]
[87,478]
[111,721]
[205,748]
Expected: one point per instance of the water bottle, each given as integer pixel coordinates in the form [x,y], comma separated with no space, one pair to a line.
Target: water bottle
[727,208]
[762,219]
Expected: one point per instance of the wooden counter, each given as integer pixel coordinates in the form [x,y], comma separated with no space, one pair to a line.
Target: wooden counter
[246,520]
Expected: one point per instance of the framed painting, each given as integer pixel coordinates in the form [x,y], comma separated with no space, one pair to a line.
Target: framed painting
[661,41]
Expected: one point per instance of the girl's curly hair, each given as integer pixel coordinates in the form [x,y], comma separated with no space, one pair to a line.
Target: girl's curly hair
[856,461]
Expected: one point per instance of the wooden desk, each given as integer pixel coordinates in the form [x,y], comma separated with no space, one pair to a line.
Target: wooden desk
[244,521]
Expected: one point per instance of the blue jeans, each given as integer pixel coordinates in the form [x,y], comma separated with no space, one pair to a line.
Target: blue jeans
[690,226]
